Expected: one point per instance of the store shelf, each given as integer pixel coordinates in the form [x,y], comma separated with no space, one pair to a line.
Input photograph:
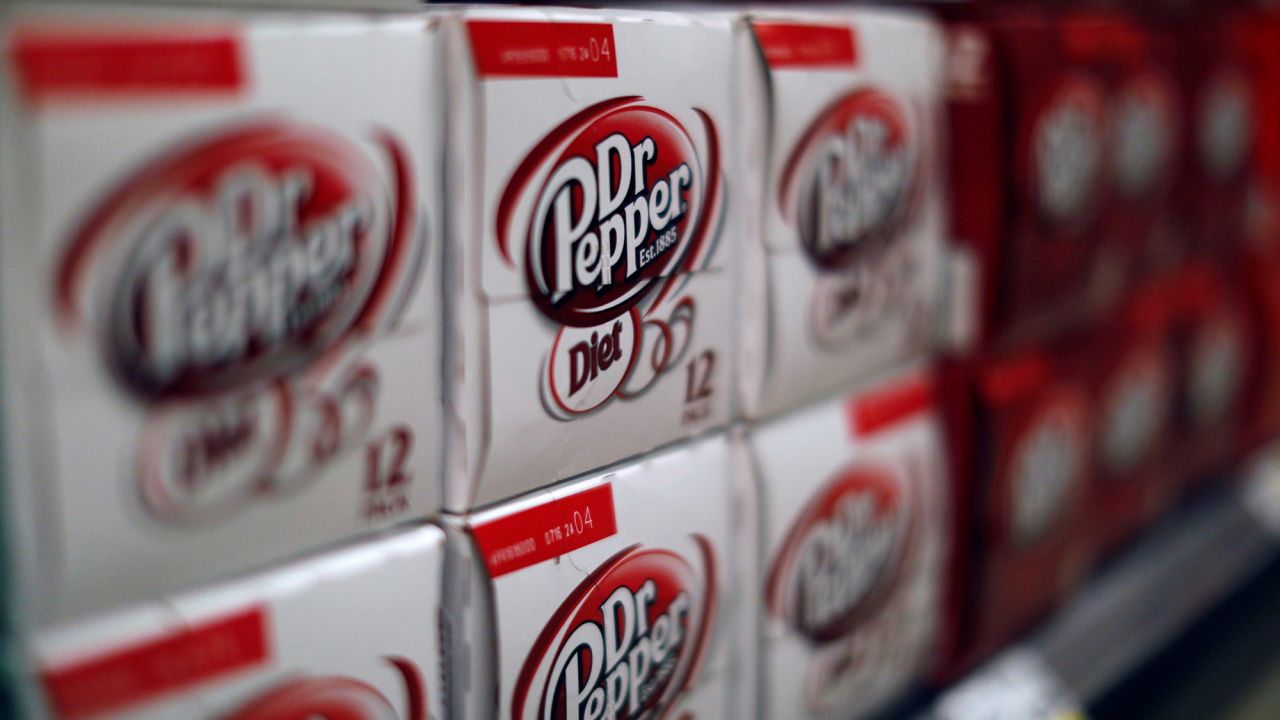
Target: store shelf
[1133,609]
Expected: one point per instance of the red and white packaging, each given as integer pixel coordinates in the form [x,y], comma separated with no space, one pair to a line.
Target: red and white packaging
[352,633]
[619,595]
[590,293]
[221,324]
[1134,385]
[1020,440]
[1027,171]
[856,505]
[842,269]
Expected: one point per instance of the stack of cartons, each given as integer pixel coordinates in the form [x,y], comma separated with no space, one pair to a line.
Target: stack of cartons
[841,278]
[222,342]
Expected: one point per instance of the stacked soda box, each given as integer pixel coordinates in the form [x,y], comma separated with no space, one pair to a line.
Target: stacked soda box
[222,352]
[855,533]
[841,278]
[592,242]
[221,293]
[1102,199]
[602,571]
[620,594]
[354,633]
[841,273]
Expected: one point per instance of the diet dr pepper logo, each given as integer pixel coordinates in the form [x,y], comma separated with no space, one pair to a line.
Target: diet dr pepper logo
[221,269]
[628,641]
[614,207]
[844,555]
[849,188]
[851,181]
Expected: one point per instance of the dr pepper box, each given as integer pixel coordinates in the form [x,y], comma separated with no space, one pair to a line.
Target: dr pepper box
[1020,429]
[589,288]
[220,291]
[855,503]
[1134,383]
[349,634]
[841,267]
[1028,171]
[1214,342]
[619,595]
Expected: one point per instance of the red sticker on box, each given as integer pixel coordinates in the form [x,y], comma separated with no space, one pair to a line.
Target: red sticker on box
[156,667]
[516,49]
[58,63]
[889,405]
[806,46]
[547,531]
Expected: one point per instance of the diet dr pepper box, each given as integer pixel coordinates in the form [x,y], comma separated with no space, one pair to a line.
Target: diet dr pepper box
[620,595]
[219,292]
[348,634]
[841,269]
[589,302]
[855,500]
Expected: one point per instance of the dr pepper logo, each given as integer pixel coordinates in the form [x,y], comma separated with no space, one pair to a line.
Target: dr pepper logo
[844,555]
[223,269]
[613,208]
[241,257]
[850,183]
[626,643]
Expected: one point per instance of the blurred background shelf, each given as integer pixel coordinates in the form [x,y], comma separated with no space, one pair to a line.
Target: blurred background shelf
[1182,625]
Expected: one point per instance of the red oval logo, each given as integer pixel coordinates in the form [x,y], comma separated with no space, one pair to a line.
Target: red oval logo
[624,203]
[241,257]
[852,180]
[843,556]
[338,698]
[1064,152]
[626,642]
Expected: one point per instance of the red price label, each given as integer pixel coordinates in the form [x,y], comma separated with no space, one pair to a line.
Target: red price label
[888,405]
[126,676]
[806,46]
[547,531]
[61,62]
[515,49]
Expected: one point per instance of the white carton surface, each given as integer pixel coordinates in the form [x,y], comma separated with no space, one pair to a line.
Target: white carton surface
[220,291]
[854,500]
[619,595]
[842,269]
[590,235]
[349,634]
